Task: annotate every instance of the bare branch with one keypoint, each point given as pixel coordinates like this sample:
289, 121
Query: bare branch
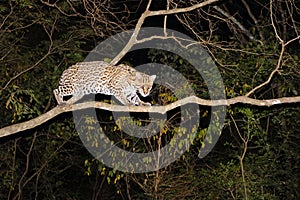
28, 69
181, 10
253, 18
60, 9
280, 59
132, 40
272, 21
292, 40
8, 15
235, 21
21, 181
9, 130
49, 34
148, 13
271, 75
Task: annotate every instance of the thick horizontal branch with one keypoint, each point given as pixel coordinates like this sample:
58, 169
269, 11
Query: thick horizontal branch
15, 128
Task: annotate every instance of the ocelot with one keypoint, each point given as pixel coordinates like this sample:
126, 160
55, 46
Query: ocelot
121, 81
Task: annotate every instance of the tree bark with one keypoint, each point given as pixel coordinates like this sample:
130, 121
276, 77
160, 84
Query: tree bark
15, 128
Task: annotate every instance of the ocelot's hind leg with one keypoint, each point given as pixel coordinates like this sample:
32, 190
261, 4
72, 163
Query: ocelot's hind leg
58, 97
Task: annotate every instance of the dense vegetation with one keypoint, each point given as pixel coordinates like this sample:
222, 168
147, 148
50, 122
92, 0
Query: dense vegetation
257, 155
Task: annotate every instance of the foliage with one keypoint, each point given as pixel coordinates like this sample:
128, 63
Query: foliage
256, 157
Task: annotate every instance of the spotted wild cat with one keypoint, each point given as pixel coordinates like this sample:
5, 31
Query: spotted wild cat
121, 81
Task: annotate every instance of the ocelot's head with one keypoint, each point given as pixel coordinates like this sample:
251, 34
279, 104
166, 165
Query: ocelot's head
144, 83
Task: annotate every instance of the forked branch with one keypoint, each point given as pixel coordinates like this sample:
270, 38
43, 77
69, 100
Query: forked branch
148, 13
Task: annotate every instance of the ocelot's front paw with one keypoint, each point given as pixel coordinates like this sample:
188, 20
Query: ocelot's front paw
62, 103
145, 104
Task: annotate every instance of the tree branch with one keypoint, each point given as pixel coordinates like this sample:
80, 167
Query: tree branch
272, 73
15, 128
148, 13
50, 35
235, 21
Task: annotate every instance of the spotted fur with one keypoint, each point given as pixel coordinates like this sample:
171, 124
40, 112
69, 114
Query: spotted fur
121, 81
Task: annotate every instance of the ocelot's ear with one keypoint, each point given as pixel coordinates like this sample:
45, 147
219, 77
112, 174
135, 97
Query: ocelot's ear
153, 77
